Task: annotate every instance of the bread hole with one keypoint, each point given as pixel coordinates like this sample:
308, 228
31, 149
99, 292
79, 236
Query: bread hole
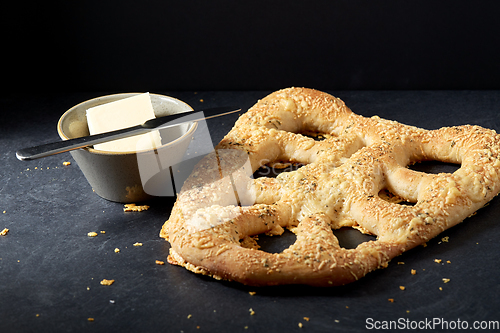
272, 170
277, 243
350, 238
388, 196
316, 135
434, 167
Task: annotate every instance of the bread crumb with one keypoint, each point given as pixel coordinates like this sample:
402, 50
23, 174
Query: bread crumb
448, 262
402, 287
391, 300
252, 293
90, 319
424, 244
438, 260
4, 232
401, 262
137, 244
103, 232
106, 282
66, 163
306, 318
252, 312
413, 271
92, 234
440, 288
134, 208
189, 316
37, 315
117, 250
445, 280
159, 262
4, 211
300, 325
445, 239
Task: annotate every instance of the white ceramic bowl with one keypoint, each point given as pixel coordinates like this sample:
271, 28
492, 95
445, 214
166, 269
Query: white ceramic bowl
116, 176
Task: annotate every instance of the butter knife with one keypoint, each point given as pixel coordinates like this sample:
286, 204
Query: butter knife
58, 147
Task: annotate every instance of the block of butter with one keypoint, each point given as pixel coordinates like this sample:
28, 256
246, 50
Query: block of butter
120, 114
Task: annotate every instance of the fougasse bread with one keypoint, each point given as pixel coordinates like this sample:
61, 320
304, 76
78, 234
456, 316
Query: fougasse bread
221, 205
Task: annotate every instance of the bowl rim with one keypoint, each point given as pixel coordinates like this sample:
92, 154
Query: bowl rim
63, 135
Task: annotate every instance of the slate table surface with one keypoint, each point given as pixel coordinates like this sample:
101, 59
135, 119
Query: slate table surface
50, 270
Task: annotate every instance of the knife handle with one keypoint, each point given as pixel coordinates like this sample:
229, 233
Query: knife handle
31, 153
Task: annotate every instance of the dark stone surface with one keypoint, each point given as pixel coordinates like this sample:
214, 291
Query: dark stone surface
50, 269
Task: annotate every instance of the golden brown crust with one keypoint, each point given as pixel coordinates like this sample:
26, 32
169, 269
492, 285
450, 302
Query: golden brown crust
339, 184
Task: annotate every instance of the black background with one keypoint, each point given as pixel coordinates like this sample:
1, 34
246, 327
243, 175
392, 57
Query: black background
153, 45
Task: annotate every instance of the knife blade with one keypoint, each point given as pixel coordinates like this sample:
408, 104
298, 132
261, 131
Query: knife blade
58, 147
